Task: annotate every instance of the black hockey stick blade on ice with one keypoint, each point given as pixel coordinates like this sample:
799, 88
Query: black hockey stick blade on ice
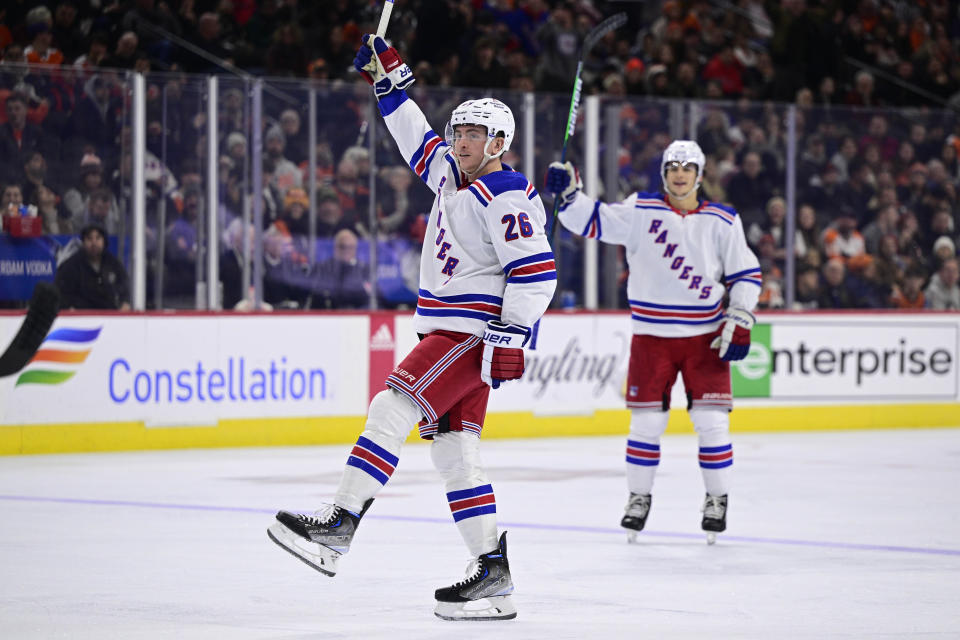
593, 37
43, 309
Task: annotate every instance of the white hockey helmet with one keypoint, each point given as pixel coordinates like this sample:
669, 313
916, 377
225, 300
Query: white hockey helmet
490, 113
685, 152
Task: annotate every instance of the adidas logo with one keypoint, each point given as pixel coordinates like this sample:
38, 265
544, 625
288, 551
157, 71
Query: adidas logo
382, 339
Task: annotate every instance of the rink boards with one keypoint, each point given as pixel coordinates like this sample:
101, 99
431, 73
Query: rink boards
126, 381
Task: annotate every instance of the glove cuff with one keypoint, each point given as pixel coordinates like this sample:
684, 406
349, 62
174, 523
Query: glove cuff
507, 336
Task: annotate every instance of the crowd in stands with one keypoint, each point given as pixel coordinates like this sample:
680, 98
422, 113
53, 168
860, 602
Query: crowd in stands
875, 85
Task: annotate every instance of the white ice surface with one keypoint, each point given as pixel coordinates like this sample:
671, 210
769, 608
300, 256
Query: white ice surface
831, 535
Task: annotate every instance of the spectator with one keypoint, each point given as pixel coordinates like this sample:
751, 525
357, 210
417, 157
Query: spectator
11, 202
484, 71
18, 138
285, 278
67, 33
773, 226
284, 174
125, 54
34, 174
41, 49
842, 240
807, 240
96, 53
76, 200
844, 156
712, 186
140, 19
95, 122
354, 196
910, 294
180, 261
46, 203
750, 190
287, 56
558, 40
855, 194
863, 92
232, 261
943, 293
294, 215
330, 215
910, 240
727, 70
237, 148
890, 264
808, 288
296, 147
943, 249
93, 278
865, 287
341, 282
883, 224
834, 294
878, 133
941, 226
102, 211
812, 161
205, 34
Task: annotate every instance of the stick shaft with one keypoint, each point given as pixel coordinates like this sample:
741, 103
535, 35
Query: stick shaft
385, 18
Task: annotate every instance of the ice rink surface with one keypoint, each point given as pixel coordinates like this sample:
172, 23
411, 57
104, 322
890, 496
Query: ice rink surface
831, 535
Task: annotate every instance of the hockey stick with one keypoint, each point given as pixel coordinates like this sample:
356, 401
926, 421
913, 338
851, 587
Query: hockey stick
385, 18
43, 309
593, 37
374, 65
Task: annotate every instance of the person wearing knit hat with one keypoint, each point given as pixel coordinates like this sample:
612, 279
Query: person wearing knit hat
295, 205
944, 248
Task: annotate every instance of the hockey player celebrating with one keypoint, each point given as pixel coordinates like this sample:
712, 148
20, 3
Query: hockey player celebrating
488, 278
684, 255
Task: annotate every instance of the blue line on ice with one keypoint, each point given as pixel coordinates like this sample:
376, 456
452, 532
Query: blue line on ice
516, 525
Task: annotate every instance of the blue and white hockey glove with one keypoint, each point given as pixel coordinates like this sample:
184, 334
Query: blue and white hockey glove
563, 180
734, 339
385, 72
502, 352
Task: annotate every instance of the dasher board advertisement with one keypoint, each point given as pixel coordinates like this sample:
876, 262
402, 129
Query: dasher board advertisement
190, 370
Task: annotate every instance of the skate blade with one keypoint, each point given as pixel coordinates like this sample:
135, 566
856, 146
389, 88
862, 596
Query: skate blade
632, 537
711, 537
320, 557
489, 608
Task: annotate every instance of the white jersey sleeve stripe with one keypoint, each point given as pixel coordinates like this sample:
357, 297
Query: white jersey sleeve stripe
747, 275
421, 158
536, 268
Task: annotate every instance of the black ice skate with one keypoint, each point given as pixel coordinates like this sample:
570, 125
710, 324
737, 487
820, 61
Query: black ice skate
714, 516
635, 514
485, 594
317, 540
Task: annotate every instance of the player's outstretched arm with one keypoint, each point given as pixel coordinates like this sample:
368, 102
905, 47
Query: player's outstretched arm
424, 151
582, 214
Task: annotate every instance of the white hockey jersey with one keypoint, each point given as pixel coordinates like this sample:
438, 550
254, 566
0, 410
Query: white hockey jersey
485, 253
681, 264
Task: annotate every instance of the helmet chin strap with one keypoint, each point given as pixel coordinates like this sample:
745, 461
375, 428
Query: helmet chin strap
666, 187
486, 158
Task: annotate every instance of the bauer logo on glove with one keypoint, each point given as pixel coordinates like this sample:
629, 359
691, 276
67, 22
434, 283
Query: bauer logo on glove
734, 339
502, 352
385, 70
